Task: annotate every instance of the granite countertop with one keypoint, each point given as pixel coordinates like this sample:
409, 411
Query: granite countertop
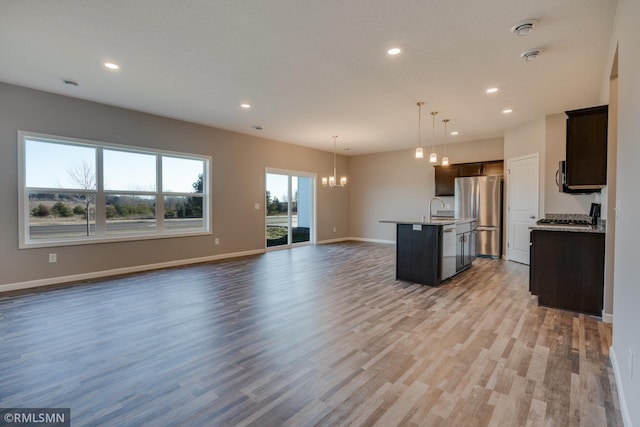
599, 228
434, 221
572, 228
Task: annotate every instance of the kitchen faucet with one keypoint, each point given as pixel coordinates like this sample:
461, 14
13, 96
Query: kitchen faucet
431, 201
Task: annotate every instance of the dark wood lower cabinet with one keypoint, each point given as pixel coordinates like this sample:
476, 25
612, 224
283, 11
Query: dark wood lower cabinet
567, 270
418, 253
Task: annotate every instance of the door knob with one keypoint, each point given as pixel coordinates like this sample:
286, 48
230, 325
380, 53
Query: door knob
532, 217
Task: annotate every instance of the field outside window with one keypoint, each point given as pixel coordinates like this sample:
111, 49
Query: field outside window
75, 192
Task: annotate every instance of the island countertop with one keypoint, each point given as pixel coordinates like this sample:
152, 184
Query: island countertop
434, 221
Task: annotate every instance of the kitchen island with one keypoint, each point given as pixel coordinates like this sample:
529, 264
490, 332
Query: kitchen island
429, 252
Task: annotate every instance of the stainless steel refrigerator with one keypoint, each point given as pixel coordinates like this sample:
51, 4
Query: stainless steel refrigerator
481, 198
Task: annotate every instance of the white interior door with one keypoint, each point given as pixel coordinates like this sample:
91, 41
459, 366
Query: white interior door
522, 205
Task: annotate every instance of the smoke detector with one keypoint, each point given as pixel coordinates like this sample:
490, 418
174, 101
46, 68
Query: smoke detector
524, 27
531, 54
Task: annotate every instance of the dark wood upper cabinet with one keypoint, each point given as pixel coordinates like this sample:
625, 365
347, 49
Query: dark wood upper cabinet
445, 175
445, 179
493, 168
470, 169
586, 167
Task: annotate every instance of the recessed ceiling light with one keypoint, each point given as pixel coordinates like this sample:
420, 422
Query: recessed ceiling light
523, 28
507, 111
394, 51
492, 90
531, 54
455, 132
111, 65
245, 105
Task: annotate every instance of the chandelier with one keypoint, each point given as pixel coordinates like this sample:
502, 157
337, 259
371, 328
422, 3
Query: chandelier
331, 181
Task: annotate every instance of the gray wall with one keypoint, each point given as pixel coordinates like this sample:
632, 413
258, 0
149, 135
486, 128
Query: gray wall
238, 166
396, 186
626, 297
547, 137
528, 138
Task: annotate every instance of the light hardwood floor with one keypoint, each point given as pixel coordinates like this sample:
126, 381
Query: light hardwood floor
317, 335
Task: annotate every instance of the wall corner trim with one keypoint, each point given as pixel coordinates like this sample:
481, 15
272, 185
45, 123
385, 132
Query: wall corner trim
120, 271
626, 417
607, 317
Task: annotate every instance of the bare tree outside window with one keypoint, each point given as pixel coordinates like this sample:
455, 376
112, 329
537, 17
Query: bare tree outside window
84, 176
82, 191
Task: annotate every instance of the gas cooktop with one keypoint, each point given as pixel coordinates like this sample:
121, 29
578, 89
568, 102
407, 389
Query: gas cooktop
564, 222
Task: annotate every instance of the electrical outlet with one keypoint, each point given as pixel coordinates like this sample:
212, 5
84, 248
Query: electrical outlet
216, 241
630, 364
334, 229
257, 206
53, 258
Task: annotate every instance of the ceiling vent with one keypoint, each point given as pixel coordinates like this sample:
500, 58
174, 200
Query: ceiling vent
525, 27
531, 54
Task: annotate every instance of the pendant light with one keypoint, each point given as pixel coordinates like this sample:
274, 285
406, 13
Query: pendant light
419, 151
433, 157
331, 181
445, 159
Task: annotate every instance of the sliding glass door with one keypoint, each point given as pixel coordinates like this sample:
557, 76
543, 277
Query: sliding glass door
289, 207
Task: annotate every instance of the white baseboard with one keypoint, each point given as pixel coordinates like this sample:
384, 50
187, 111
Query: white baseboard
607, 317
338, 240
358, 239
624, 410
119, 271
362, 239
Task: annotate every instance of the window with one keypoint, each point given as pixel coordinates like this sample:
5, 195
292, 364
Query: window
74, 192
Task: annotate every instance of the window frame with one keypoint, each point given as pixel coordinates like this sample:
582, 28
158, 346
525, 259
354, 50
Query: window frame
101, 236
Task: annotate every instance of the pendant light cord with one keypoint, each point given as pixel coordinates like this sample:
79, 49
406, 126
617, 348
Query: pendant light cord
433, 132
420, 104
445, 136
335, 176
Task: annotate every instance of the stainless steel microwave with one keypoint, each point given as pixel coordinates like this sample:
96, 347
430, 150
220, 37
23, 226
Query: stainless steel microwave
561, 181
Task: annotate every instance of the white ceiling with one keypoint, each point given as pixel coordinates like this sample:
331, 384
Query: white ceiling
315, 68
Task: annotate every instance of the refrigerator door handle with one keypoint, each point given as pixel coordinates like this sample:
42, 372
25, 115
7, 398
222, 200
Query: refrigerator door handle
487, 228
476, 199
